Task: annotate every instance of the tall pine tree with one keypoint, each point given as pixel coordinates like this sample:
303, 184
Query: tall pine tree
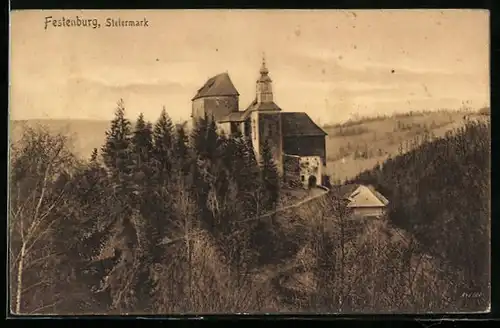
142, 142
181, 151
116, 151
126, 226
163, 142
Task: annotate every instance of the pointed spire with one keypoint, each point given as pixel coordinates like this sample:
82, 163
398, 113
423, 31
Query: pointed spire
263, 69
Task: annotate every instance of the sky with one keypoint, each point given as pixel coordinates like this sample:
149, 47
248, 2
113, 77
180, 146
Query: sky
330, 64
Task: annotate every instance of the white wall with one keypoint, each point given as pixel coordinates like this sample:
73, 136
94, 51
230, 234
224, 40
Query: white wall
224, 127
365, 203
310, 166
254, 122
198, 110
368, 211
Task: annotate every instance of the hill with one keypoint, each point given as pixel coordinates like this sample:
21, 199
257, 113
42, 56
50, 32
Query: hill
351, 147
127, 216
440, 193
355, 146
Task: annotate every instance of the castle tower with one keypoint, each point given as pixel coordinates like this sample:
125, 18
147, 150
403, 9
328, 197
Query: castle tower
264, 85
217, 98
266, 119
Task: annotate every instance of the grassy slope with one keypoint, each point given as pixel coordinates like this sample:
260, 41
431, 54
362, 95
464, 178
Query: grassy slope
382, 138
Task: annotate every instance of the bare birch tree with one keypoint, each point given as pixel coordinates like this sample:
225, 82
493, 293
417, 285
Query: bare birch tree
37, 192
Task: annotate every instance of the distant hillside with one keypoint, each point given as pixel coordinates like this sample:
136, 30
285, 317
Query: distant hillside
374, 138
359, 145
440, 192
85, 134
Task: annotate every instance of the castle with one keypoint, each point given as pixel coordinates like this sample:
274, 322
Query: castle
297, 143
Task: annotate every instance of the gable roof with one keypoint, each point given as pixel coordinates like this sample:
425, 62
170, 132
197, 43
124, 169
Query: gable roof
380, 197
219, 85
262, 106
347, 190
254, 106
299, 124
233, 117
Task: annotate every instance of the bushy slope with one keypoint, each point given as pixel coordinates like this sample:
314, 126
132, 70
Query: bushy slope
440, 192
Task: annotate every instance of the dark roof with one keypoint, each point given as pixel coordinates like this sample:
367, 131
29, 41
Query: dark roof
233, 117
254, 106
219, 85
299, 124
267, 106
262, 106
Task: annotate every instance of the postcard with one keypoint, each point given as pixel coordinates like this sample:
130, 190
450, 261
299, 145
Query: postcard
249, 161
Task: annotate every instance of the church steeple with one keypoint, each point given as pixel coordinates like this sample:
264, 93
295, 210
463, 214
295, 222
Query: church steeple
264, 84
263, 68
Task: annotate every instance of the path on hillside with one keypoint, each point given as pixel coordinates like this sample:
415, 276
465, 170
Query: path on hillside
270, 272
315, 193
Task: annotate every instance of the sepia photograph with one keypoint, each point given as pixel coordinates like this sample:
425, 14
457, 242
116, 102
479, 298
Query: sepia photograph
167, 162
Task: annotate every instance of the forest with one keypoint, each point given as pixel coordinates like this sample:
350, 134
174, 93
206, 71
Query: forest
163, 220
440, 193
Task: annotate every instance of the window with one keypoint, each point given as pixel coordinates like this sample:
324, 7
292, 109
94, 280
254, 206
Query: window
302, 178
234, 128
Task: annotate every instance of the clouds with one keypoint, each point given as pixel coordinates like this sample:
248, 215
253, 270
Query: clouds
321, 62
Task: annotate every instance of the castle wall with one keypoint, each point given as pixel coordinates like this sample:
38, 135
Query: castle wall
270, 131
224, 128
305, 146
220, 106
310, 166
198, 108
254, 128
291, 171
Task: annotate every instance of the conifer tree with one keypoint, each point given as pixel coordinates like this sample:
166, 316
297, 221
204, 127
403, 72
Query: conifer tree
204, 174
142, 147
142, 143
148, 229
90, 227
205, 139
181, 150
270, 177
93, 156
124, 219
163, 142
116, 151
